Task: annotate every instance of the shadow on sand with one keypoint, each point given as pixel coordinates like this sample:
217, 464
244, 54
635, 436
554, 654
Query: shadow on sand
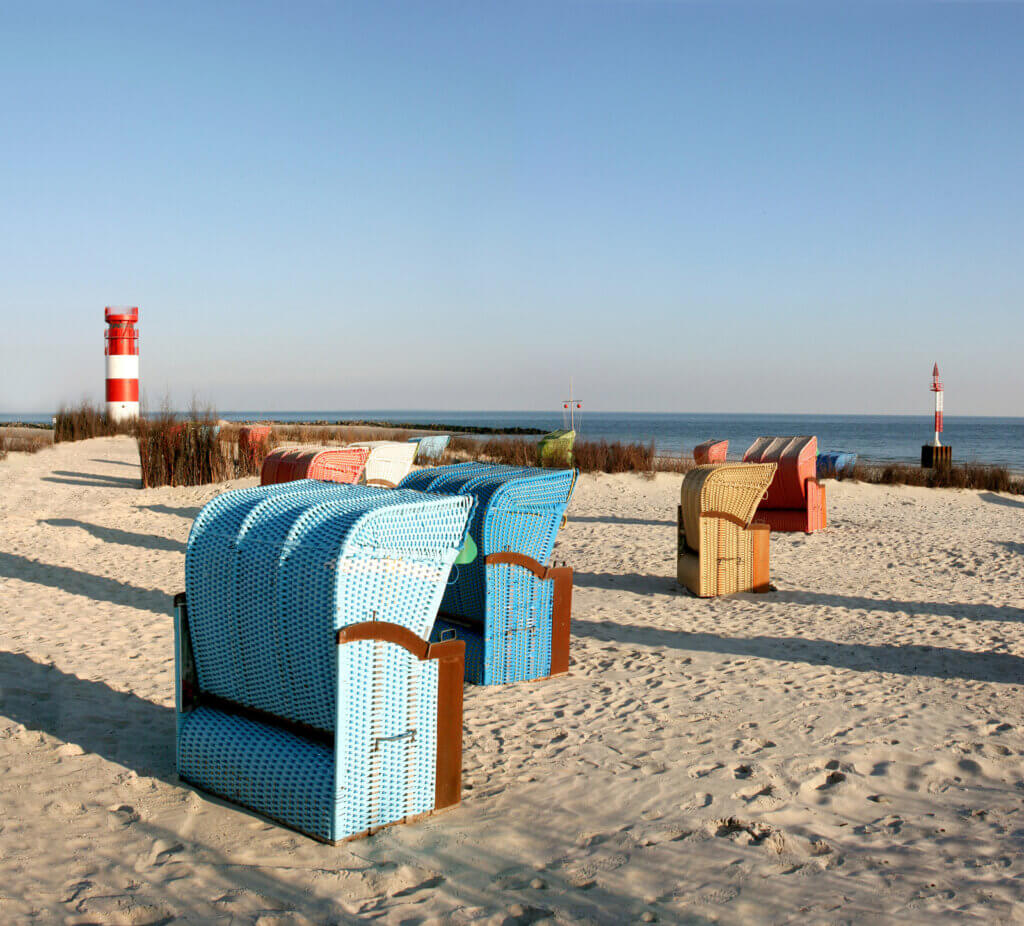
960, 610
930, 661
189, 513
115, 535
610, 519
994, 499
119, 726
99, 588
97, 480
114, 462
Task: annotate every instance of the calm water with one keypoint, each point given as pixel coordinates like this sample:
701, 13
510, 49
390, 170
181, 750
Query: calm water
874, 437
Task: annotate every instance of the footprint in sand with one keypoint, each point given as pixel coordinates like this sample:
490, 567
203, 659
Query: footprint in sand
699, 801
831, 780
702, 771
124, 814
761, 797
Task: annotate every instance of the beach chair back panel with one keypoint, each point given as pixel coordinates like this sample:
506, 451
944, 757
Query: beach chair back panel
209, 570
289, 778
304, 563
797, 462
386, 756
290, 553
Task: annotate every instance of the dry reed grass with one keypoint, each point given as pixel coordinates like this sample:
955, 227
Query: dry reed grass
182, 453
86, 420
959, 476
22, 443
587, 456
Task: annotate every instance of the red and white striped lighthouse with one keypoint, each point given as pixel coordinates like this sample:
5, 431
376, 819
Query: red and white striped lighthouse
122, 350
937, 389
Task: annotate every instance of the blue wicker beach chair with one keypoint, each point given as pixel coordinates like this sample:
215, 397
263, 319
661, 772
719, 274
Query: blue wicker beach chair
431, 448
509, 606
306, 688
832, 463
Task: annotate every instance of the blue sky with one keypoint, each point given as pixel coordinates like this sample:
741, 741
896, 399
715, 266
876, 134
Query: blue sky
705, 208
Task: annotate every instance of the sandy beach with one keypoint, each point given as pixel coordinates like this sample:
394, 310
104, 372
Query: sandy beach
849, 748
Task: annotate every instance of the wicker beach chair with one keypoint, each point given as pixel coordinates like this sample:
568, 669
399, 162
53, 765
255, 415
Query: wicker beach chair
431, 448
795, 499
510, 607
253, 441
335, 464
720, 552
389, 462
306, 688
833, 463
711, 451
555, 448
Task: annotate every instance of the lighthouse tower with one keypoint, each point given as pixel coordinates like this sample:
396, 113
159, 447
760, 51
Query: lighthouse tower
122, 350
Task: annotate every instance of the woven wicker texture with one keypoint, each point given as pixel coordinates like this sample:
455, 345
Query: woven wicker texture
271, 574
834, 462
337, 464
711, 451
724, 548
431, 448
389, 460
508, 608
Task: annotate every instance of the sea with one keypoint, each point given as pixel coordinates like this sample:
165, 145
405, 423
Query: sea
875, 438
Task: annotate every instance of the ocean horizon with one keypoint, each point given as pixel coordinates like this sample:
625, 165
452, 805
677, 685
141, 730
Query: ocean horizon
876, 438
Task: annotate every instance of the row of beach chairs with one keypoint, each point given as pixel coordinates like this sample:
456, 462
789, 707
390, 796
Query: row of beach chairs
326, 631
327, 628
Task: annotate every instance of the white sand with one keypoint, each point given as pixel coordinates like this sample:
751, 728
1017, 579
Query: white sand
848, 749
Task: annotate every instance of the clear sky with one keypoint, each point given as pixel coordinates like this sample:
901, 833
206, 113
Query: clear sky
723, 207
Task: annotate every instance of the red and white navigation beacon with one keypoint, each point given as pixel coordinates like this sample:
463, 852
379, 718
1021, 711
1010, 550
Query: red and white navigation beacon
122, 350
937, 389
934, 454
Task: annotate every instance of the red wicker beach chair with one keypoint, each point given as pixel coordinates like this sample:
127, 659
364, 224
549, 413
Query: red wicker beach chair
340, 464
795, 500
711, 451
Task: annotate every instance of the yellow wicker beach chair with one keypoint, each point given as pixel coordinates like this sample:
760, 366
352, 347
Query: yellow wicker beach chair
720, 551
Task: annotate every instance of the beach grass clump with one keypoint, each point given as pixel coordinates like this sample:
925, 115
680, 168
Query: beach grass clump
174, 452
978, 476
86, 420
587, 456
22, 443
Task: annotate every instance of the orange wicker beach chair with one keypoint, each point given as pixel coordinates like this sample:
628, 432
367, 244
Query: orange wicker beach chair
337, 464
720, 552
795, 499
711, 451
